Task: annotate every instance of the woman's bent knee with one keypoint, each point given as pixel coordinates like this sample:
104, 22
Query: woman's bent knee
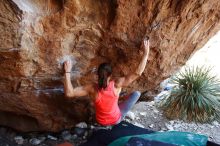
136, 93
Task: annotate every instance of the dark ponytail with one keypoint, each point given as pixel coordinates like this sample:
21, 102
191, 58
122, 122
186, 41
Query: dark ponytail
104, 71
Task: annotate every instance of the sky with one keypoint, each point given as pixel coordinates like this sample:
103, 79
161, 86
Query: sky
209, 55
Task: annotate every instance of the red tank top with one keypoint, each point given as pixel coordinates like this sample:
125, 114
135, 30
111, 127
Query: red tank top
106, 106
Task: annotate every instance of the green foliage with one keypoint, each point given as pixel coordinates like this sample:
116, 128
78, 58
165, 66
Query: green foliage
195, 97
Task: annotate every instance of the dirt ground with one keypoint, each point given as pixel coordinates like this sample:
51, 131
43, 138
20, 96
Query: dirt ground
145, 114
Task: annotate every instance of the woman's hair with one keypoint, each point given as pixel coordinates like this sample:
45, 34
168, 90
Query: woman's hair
104, 71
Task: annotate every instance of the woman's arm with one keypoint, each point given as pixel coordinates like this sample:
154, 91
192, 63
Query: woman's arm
69, 91
127, 80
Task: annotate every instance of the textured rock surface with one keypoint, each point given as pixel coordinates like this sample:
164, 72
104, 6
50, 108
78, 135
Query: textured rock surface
33, 45
39, 6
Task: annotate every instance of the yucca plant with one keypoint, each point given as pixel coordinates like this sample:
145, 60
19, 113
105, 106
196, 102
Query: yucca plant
195, 96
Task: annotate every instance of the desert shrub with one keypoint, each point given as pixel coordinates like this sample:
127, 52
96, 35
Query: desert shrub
195, 96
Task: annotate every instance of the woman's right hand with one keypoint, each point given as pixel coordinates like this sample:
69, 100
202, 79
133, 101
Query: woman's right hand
68, 66
146, 45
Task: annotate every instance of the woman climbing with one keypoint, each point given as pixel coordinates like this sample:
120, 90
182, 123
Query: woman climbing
105, 94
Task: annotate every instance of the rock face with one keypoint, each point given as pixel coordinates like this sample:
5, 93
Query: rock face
36, 37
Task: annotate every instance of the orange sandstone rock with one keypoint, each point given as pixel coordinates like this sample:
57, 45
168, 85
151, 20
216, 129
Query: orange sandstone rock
33, 44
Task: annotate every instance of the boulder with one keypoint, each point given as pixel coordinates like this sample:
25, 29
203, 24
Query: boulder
37, 36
